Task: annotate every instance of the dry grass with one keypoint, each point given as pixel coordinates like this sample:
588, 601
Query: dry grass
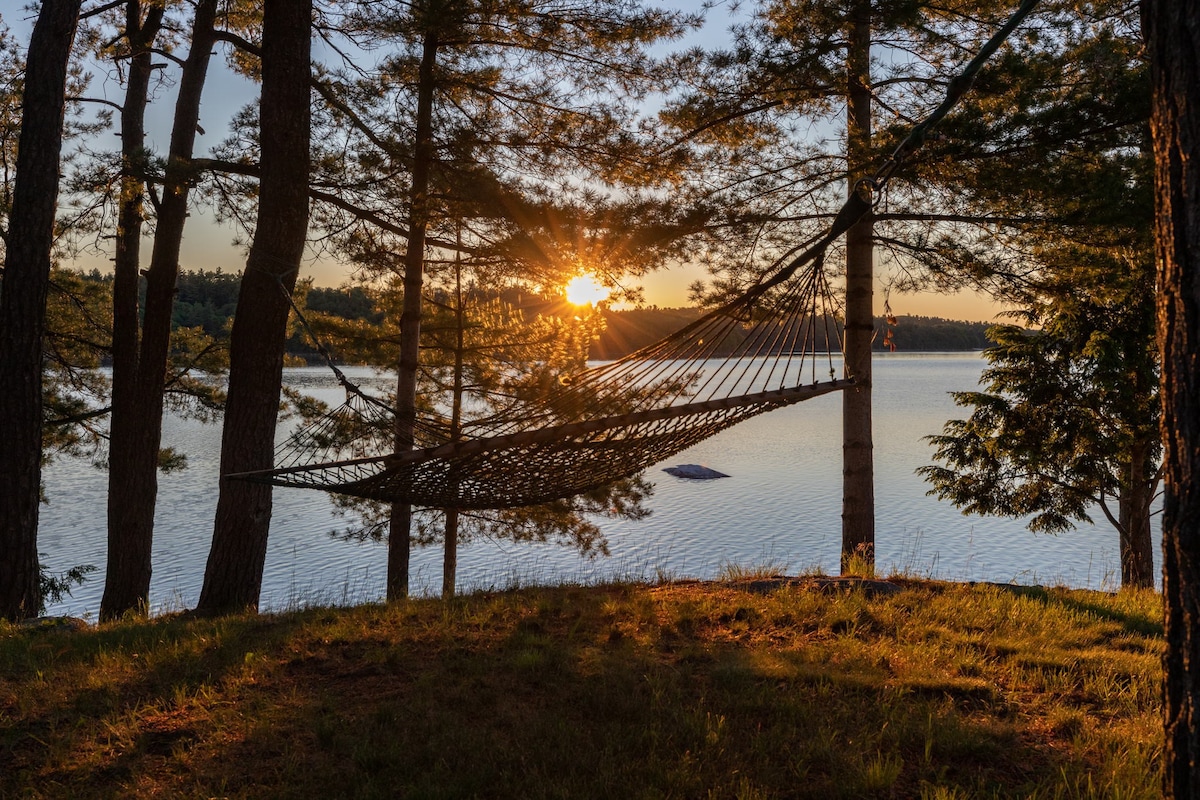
681, 690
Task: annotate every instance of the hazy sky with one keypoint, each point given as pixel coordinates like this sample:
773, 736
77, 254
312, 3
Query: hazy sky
209, 246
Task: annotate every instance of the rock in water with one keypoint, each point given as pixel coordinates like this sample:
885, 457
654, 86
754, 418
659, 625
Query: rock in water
694, 471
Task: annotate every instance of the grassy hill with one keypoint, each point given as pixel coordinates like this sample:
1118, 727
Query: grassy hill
741, 690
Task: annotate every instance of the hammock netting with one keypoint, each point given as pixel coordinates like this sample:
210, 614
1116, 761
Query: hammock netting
773, 346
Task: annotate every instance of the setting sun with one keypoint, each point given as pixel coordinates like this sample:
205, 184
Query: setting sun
585, 290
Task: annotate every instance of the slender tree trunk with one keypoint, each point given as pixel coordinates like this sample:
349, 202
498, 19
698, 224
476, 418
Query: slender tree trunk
450, 532
23, 303
137, 422
450, 554
127, 578
233, 576
858, 469
1173, 36
400, 533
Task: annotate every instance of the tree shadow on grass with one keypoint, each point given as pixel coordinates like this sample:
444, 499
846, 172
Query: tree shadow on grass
97, 703
532, 707
554, 693
1132, 621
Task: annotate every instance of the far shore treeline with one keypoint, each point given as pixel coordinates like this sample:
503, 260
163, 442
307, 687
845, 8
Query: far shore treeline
207, 299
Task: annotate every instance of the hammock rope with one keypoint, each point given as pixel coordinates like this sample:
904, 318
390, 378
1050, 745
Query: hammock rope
749, 356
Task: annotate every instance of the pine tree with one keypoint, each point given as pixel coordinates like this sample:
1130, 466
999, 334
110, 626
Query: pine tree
1052, 147
23, 302
796, 68
233, 575
507, 103
1069, 419
488, 351
1044, 148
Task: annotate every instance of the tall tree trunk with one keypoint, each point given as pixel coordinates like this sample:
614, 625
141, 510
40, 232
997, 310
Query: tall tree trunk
137, 422
858, 468
23, 303
233, 576
129, 562
400, 532
1173, 37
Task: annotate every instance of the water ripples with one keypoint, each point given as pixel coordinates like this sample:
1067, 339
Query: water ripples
781, 508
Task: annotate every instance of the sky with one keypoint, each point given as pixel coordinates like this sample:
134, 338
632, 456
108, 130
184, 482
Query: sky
208, 245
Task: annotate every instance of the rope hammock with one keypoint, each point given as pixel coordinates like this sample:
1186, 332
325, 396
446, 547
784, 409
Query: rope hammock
766, 349
756, 353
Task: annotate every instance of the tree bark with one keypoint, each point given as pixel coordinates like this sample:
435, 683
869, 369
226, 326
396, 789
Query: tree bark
233, 576
458, 389
23, 303
1173, 37
136, 429
400, 531
450, 554
858, 469
1137, 494
129, 522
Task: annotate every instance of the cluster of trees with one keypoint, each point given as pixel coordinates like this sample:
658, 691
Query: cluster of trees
208, 299
477, 151
492, 150
449, 151
1045, 159
489, 152
629, 329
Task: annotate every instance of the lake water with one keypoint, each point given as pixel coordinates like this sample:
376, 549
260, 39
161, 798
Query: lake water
781, 507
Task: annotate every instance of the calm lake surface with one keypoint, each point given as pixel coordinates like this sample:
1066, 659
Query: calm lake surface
781, 507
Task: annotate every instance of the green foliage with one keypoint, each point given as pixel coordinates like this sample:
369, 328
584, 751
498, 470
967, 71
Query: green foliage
537, 170
1050, 147
57, 587
11, 75
78, 345
206, 300
196, 366
751, 114
1069, 410
346, 302
1069, 422
1049, 144
629, 329
537, 131
913, 334
77, 342
170, 460
350, 313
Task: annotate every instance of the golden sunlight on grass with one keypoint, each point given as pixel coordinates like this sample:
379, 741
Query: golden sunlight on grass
585, 290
